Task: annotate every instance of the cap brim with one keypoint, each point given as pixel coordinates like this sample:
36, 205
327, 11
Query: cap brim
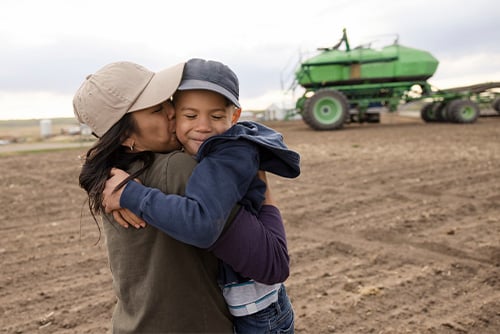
160, 88
192, 84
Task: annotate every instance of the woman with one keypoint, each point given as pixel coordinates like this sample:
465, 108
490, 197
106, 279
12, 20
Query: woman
229, 155
162, 285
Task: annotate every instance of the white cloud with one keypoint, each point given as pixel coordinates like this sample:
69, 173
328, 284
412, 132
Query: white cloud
50, 46
38, 105
467, 70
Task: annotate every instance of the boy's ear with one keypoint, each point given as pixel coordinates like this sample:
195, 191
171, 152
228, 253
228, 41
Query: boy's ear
236, 115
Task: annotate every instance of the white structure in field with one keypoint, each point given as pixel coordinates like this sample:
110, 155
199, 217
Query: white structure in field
275, 113
45, 128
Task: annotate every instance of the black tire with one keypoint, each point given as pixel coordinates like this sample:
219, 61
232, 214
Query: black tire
463, 111
432, 112
427, 113
373, 118
496, 105
442, 114
326, 110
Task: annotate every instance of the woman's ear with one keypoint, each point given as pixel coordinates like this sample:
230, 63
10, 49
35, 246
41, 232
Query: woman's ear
129, 143
236, 115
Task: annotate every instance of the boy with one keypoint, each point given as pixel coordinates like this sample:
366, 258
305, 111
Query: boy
207, 109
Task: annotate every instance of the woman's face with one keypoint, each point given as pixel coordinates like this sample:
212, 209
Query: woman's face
155, 129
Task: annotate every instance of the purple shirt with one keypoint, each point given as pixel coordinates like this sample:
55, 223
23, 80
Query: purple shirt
256, 247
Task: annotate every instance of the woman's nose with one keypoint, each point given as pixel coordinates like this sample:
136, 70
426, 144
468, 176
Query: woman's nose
169, 111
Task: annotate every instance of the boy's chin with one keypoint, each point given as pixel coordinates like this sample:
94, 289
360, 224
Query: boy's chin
192, 149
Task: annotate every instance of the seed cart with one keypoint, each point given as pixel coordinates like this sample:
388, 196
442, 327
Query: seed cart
353, 85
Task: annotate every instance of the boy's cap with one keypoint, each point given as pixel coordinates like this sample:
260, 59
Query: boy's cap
119, 88
211, 75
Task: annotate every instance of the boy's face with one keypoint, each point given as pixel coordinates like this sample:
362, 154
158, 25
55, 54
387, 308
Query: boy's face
201, 114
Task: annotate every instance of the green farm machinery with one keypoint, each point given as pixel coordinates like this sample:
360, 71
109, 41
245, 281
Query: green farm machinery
355, 85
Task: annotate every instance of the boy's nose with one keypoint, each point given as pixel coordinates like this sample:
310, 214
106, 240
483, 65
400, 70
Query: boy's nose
203, 124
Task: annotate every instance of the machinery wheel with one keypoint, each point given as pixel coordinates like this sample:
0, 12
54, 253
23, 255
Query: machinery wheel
373, 118
427, 113
433, 112
326, 110
442, 112
463, 111
496, 104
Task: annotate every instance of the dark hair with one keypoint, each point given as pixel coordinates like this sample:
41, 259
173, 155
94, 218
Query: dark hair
108, 152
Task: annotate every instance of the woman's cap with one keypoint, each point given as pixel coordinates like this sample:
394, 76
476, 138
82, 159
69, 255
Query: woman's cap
119, 88
211, 75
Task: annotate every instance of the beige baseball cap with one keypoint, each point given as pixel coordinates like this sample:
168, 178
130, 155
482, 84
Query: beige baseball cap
119, 88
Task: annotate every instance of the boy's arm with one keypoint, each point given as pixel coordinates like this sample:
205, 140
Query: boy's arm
218, 182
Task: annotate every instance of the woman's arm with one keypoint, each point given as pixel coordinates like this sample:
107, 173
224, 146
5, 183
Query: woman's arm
256, 247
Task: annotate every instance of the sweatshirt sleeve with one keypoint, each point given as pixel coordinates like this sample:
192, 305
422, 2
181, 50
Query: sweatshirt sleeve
216, 185
256, 247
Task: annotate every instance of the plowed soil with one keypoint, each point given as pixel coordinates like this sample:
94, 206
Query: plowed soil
392, 228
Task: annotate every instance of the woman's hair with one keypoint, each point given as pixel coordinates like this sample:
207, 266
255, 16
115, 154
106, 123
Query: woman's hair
108, 152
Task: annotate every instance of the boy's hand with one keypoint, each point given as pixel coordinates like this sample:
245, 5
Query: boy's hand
111, 198
125, 217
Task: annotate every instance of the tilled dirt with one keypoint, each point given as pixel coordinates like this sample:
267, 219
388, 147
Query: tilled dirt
392, 228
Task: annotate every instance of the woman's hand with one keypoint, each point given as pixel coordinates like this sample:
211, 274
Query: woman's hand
268, 198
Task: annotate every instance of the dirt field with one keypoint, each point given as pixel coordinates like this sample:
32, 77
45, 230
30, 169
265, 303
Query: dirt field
392, 228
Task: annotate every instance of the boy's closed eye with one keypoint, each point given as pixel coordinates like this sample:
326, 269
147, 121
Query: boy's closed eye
219, 117
190, 116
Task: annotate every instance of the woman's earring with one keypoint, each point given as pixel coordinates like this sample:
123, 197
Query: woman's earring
132, 147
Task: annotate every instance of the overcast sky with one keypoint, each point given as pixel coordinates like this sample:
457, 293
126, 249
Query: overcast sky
49, 46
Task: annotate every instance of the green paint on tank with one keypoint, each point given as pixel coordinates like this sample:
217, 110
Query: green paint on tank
392, 63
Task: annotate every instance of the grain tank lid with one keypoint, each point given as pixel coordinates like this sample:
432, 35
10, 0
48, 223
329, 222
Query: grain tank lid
355, 56
395, 52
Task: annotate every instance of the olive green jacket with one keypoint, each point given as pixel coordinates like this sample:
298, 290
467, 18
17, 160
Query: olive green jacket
163, 285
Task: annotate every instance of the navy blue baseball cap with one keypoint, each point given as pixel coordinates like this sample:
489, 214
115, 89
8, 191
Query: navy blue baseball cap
211, 75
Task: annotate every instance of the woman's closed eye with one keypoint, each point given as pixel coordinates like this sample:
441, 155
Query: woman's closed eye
157, 109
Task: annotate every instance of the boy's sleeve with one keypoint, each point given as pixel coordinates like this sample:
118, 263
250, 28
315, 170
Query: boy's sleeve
216, 185
255, 247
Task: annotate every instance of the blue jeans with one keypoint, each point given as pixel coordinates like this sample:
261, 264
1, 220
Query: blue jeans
277, 318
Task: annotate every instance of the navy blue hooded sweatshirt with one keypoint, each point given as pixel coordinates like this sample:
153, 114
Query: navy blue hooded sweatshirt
225, 176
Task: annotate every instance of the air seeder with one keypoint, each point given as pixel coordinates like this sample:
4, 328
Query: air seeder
354, 85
